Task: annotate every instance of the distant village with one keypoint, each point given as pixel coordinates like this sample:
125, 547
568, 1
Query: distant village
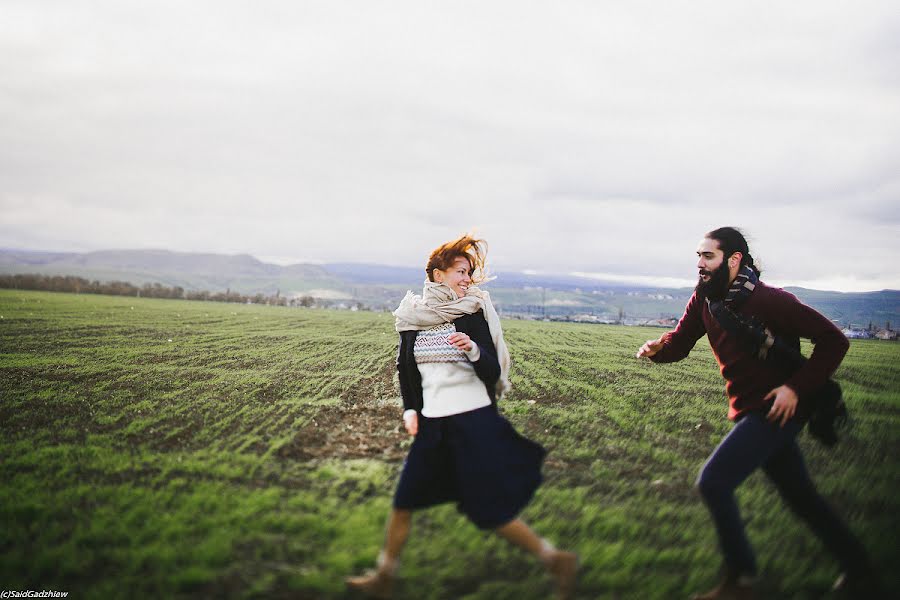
872, 332
595, 319
72, 284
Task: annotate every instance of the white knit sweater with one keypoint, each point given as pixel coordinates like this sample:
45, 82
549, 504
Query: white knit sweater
449, 383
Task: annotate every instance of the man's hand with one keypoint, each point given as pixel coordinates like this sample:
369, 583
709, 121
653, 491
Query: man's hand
650, 348
785, 404
411, 422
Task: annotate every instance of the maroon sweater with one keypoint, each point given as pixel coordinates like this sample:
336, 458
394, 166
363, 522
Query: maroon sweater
747, 378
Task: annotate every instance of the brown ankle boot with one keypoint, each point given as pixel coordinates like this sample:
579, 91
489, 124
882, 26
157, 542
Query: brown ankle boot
374, 583
732, 587
564, 568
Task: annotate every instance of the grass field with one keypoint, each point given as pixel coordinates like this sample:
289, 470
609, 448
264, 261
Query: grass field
157, 448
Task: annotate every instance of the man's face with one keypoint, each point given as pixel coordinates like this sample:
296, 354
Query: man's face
710, 258
713, 270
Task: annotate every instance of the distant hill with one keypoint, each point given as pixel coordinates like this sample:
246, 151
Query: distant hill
858, 308
192, 271
382, 286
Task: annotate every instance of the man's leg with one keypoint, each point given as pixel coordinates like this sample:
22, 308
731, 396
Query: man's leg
788, 472
748, 446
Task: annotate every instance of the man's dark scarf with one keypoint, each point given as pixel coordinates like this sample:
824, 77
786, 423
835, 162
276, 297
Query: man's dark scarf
755, 337
825, 405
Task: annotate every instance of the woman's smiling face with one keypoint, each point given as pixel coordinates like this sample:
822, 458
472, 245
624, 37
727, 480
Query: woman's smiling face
458, 277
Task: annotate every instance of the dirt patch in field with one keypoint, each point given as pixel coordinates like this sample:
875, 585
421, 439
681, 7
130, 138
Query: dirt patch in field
352, 430
378, 385
359, 427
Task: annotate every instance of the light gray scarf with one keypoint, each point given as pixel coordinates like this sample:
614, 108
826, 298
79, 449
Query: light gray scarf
439, 304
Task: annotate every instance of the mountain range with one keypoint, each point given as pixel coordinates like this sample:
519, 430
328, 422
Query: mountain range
381, 287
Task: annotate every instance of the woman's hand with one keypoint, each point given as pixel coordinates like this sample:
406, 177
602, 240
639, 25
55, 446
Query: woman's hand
785, 404
461, 341
411, 422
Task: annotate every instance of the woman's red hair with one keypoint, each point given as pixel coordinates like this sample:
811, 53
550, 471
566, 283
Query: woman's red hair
466, 246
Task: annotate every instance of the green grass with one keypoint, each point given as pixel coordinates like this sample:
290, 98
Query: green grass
174, 448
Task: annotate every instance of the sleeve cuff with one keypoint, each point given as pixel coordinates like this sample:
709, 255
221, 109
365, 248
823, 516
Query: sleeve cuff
407, 412
474, 354
799, 388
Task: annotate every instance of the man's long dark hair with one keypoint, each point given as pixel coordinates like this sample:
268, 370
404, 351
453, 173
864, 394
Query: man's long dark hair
731, 240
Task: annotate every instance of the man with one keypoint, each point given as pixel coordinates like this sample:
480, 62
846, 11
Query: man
763, 399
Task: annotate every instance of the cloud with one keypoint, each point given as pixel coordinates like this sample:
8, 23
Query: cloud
578, 137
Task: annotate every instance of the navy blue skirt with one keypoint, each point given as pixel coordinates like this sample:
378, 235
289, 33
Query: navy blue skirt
475, 459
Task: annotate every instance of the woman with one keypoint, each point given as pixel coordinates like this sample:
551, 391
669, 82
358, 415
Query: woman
453, 366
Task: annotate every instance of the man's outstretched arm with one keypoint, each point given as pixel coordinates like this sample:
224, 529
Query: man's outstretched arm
651, 347
674, 345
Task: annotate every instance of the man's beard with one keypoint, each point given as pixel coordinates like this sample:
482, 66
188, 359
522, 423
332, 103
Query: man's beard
717, 287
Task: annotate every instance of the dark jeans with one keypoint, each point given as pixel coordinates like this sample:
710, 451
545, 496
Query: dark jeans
752, 443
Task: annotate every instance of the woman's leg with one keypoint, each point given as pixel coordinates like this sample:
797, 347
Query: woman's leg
398, 526
519, 534
380, 582
561, 564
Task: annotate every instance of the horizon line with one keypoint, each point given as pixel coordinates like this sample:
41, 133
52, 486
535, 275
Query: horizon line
841, 285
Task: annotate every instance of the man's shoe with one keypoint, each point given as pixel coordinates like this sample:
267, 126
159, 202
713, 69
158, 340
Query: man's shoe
564, 568
374, 583
866, 585
732, 587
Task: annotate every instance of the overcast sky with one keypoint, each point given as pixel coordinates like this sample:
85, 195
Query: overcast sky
599, 137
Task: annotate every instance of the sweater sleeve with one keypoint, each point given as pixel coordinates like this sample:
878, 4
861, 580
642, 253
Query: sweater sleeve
678, 343
406, 391
487, 367
786, 314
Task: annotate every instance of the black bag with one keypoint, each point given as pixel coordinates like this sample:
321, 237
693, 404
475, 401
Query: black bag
829, 413
824, 409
